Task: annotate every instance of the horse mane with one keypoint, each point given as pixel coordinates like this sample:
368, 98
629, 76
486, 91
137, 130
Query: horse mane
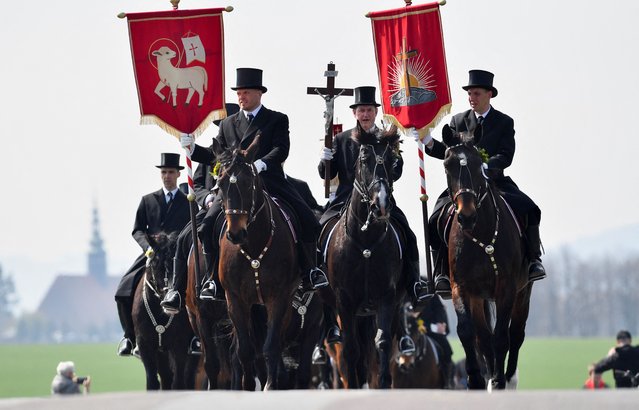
382, 136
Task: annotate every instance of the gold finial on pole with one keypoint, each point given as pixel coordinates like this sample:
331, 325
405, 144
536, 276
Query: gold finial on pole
408, 2
442, 2
228, 9
122, 15
175, 4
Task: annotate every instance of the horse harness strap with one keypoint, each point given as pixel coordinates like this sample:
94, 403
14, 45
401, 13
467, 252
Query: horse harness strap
257, 262
300, 304
158, 328
490, 248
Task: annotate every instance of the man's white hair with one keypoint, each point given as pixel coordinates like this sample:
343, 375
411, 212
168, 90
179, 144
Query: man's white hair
65, 368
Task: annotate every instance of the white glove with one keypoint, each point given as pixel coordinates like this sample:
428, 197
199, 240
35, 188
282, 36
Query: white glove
412, 133
187, 142
260, 165
150, 253
326, 154
208, 201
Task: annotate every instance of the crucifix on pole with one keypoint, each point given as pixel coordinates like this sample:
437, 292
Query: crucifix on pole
329, 94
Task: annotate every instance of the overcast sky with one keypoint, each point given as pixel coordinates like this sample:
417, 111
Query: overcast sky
566, 72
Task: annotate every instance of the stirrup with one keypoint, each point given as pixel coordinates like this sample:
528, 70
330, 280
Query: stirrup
421, 291
136, 352
317, 278
442, 287
209, 292
171, 309
536, 271
318, 356
125, 347
195, 347
406, 346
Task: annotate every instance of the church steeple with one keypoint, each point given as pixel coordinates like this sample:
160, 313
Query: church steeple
97, 256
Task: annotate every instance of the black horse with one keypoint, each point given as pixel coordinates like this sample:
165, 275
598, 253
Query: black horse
364, 261
163, 340
488, 274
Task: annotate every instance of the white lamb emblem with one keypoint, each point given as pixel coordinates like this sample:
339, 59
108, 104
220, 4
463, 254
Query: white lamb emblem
192, 78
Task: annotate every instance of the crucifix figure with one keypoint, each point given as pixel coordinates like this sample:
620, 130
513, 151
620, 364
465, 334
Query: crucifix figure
329, 94
404, 56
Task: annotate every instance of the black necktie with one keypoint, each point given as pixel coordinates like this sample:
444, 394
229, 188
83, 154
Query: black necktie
250, 118
170, 194
480, 120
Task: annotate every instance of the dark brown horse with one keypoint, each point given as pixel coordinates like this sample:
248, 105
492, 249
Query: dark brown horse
421, 369
258, 261
163, 340
211, 322
489, 280
364, 259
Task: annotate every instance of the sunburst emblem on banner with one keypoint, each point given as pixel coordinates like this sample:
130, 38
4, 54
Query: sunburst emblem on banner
410, 79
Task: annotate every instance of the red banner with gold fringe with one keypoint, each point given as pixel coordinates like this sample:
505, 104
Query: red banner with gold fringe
178, 62
411, 62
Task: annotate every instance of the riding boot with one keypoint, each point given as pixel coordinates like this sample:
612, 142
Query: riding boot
442, 282
212, 288
195, 347
418, 288
172, 302
319, 355
333, 333
536, 270
313, 277
125, 347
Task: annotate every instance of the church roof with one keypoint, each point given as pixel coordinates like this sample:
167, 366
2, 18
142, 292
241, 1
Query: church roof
80, 302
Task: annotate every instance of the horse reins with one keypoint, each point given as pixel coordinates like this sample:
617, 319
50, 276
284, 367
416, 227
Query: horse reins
364, 192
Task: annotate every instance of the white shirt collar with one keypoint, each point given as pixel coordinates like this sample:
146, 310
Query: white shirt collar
254, 112
166, 193
483, 114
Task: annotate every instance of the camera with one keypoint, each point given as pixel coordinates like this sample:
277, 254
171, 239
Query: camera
80, 380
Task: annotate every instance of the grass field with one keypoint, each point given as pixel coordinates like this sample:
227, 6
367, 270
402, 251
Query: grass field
27, 370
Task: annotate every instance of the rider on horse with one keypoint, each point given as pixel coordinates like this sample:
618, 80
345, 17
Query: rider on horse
343, 157
164, 210
239, 131
498, 141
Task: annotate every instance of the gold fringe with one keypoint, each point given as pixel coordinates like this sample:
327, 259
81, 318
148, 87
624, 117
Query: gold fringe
213, 115
443, 111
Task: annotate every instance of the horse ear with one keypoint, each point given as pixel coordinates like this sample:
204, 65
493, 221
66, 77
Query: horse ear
151, 240
255, 145
448, 136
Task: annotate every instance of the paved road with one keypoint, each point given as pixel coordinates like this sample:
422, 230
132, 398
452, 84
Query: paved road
338, 400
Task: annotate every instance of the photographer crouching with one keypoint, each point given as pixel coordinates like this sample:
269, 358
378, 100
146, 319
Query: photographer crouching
67, 382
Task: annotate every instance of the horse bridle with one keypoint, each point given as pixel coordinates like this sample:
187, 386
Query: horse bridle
478, 195
365, 191
233, 183
488, 248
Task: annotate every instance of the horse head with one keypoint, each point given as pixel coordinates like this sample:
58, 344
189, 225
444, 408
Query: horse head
466, 182
159, 268
373, 171
240, 189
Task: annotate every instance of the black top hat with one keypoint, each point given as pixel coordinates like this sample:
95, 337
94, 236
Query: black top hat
170, 160
481, 79
231, 108
364, 96
249, 78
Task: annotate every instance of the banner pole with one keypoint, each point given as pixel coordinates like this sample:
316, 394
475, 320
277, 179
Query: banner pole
193, 212
424, 199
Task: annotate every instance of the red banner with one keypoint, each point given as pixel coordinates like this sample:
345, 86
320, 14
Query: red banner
178, 62
411, 62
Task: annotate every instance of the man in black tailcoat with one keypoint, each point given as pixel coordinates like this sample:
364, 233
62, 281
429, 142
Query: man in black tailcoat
343, 158
165, 210
498, 140
239, 131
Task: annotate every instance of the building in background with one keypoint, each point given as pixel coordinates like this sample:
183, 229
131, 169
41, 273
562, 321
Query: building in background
80, 307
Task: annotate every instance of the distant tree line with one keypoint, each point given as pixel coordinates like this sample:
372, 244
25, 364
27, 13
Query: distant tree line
584, 298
